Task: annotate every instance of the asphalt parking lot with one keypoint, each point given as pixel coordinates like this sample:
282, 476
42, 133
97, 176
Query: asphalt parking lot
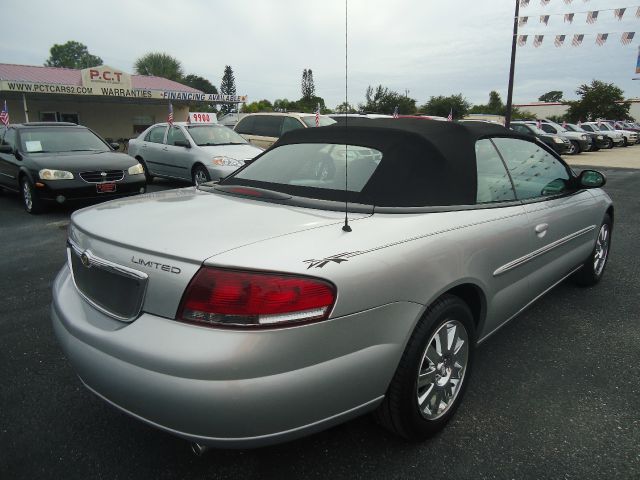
555, 394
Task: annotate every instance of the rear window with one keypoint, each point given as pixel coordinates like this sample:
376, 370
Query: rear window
315, 165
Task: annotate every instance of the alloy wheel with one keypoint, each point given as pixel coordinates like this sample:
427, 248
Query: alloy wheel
602, 250
26, 195
442, 369
200, 176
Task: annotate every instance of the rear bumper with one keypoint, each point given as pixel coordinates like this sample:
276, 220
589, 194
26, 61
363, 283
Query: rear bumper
233, 389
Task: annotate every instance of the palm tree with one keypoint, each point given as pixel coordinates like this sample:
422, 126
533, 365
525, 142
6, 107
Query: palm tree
160, 65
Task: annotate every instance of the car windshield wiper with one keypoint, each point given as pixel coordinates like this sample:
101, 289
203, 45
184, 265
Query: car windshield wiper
218, 144
85, 150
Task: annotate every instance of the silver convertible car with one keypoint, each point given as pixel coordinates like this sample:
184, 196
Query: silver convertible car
348, 269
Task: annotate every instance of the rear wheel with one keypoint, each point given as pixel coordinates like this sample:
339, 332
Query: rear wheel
609, 143
30, 198
593, 267
200, 175
625, 142
432, 375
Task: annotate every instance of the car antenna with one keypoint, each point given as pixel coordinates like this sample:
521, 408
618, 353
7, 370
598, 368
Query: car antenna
346, 227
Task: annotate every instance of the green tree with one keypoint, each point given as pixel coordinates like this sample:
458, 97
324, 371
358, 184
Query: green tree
345, 107
228, 87
598, 100
72, 55
552, 96
383, 100
308, 87
160, 65
442, 106
284, 105
259, 106
494, 107
309, 105
204, 85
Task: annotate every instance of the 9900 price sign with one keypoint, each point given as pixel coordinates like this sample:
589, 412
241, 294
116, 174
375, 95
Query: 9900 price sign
197, 117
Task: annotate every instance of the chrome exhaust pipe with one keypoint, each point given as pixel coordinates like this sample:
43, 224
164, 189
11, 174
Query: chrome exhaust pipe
198, 449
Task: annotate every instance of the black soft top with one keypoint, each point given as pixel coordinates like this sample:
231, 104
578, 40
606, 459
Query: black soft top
424, 162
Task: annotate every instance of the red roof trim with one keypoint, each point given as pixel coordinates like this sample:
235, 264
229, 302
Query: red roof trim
70, 76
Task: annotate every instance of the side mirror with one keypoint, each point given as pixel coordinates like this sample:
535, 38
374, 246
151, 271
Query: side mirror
182, 143
6, 149
115, 146
591, 179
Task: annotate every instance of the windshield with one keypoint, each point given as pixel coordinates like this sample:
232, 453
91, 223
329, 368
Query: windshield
204, 135
571, 127
605, 127
314, 165
60, 139
323, 121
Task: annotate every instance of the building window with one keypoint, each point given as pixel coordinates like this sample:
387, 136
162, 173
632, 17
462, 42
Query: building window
59, 117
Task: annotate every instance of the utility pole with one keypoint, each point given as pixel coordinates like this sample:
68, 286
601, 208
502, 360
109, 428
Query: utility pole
514, 45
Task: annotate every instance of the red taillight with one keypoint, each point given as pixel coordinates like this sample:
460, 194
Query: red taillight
221, 297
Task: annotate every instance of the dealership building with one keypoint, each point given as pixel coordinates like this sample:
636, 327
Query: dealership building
115, 104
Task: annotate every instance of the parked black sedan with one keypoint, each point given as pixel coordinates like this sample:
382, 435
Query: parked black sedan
62, 162
557, 143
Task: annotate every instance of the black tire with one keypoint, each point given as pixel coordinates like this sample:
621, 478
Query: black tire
400, 411
148, 177
200, 175
609, 143
30, 197
592, 269
575, 148
625, 142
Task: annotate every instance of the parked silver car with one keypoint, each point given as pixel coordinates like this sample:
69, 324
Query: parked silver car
344, 271
193, 152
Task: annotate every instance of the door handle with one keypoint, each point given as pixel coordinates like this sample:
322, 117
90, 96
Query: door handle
541, 229
165, 149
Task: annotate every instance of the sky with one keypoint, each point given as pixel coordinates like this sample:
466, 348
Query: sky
420, 47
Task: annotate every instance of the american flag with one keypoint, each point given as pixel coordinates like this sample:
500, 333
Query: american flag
638, 12
4, 115
579, 123
602, 38
524, 3
619, 13
577, 40
544, 3
538, 124
568, 1
627, 37
170, 117
537, 40
559, 40
564, 125
592, 16
568, 17
544, 19
395, 112
522, 40
450, 116
522, 21
318, 116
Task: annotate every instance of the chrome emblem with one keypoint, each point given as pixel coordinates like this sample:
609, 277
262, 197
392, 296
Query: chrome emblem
84, 258
104, 174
